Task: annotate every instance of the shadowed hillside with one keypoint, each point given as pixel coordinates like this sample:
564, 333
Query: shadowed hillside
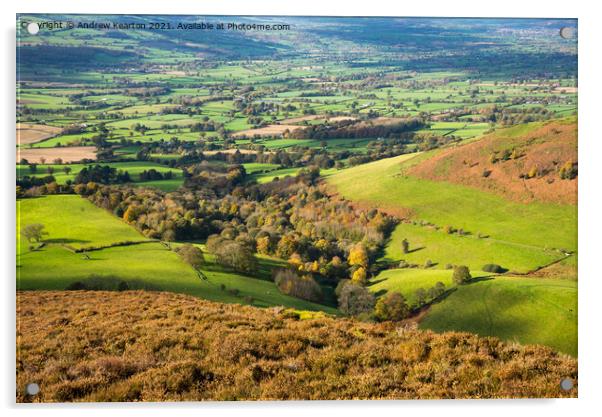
132, 346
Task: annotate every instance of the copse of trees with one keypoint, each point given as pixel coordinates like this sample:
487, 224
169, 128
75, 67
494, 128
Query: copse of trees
102, 174
506, 115
294, 156
495, 268
154, 175
357, 129
300, 286
355, 299
391, 307
192, 255
26, 182
232, 254
290, 218
33, 232
461, 274
206, 126
222, 180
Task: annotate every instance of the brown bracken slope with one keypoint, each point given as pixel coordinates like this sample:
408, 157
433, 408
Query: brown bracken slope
541, 149
149, 346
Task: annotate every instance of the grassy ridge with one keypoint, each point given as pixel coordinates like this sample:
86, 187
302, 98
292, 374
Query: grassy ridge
150, 266
426, 243
54, 267
520, 237
542, 311
383, 185
527, 310
73, 220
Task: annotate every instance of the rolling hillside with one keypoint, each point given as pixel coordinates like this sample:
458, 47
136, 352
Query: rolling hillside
527, 310
496, 162
452, 214
115, 252
439, 193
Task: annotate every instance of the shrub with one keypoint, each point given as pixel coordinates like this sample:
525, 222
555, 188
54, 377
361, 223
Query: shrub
76, 286
96, 282
340, 286
355, 299
568, 171
497, 269
449, 229
359, 276
33, 232
199, 354
358, 256
391, 307
437, 290
304, 287
191, 255
421, 295
461, 274
405, 246
506, 154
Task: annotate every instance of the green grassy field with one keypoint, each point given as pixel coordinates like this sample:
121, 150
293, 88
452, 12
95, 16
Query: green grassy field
382, 184
407, 281
542, 311
263, 177
255, 167
526, 310
133, 168
165, 185
150, 265
427, 243
73, 220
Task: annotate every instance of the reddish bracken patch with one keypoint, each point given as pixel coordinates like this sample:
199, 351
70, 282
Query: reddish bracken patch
524, 168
